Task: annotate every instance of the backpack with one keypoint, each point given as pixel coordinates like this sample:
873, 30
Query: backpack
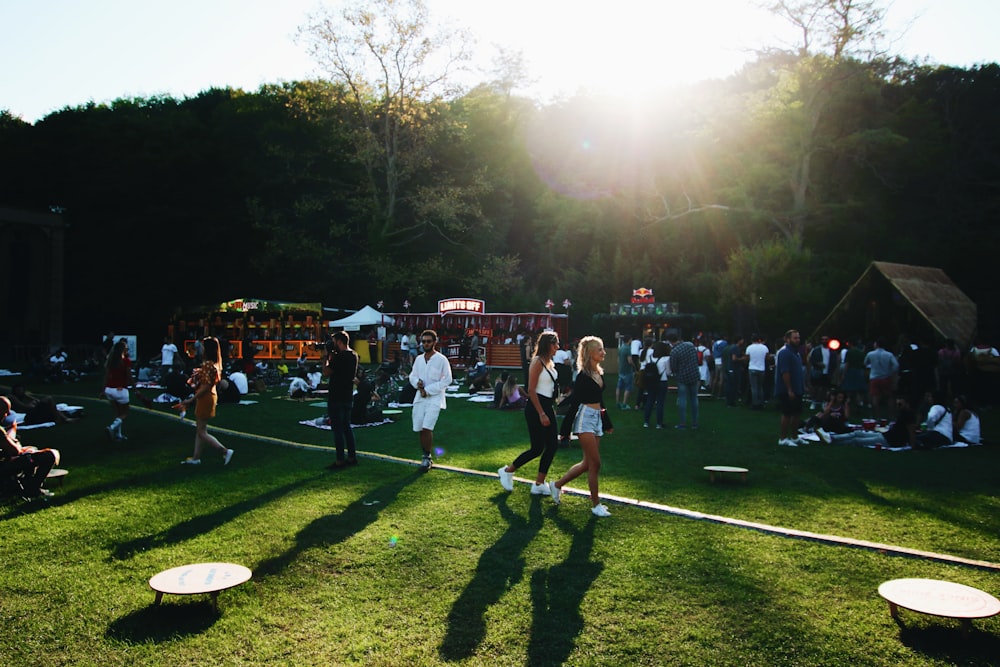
651, 372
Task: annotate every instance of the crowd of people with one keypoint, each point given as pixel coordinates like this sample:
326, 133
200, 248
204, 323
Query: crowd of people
919, 397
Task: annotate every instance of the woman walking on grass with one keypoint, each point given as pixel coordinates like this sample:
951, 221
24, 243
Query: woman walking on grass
590, 423
204, 379
540, 416
117, 380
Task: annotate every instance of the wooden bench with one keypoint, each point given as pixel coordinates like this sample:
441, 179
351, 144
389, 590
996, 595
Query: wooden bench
939, 598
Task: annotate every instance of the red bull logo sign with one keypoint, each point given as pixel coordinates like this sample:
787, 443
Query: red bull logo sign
642, 295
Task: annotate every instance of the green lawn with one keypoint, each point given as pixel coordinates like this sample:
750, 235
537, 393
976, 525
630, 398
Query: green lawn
380, 565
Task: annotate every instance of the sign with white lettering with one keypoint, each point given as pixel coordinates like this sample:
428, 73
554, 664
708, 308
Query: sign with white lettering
477, 306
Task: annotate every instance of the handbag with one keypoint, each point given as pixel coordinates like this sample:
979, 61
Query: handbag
606, 424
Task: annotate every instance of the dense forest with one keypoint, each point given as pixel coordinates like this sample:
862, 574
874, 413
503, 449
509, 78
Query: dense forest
762, 196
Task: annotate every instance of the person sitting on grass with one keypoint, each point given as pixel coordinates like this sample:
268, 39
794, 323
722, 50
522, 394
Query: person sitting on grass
965, 422
833, 418
511, 396
38, 409
30, 464
479, 378
901, 433
299, 387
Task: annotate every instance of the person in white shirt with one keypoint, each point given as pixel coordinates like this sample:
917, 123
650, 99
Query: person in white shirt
239, 379
757, 352
431, 376
167, 354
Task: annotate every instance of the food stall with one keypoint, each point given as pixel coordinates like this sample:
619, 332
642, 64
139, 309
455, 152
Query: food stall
460, 317
275, 329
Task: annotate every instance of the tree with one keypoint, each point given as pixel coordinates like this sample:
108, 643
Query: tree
397, 73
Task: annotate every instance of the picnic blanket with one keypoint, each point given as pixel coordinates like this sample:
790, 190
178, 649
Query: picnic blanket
323, 423
5, 373
480, 399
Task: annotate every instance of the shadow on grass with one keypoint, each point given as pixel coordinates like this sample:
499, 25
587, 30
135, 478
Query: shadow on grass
943, 640
163, 622
335, 528
500, 566
201, 524
556, 594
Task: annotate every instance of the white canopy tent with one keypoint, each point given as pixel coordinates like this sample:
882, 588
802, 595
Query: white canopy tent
366, 317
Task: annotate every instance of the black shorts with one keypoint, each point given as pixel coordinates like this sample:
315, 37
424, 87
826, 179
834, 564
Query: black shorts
789, 406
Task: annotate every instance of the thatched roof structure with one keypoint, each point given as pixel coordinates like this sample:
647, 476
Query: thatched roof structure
890, 300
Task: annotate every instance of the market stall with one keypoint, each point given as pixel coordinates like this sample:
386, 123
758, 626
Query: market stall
498, 332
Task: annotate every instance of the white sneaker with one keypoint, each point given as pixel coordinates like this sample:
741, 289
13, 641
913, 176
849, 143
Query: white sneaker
191, 462
554, 491
506, 479
600, 510
540, 489
824, 436
229, 455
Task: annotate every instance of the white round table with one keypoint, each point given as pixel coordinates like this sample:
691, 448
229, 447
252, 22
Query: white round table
736, 470
199, 578
939, 598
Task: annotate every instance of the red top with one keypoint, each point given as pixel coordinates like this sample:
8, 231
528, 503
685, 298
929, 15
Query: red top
119, 377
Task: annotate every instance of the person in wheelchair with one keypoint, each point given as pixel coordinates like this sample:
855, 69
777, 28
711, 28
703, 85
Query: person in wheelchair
23, 469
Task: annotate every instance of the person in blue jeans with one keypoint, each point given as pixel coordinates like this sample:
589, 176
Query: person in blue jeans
657, 394
341, 367
684, 368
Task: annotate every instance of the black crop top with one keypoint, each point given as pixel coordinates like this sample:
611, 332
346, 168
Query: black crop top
586, 390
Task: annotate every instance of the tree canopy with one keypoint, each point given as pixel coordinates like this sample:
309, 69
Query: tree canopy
754, 200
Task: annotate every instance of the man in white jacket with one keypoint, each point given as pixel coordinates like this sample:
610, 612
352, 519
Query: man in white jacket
430, 376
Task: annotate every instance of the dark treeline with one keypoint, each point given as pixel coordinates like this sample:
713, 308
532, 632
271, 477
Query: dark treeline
765, 194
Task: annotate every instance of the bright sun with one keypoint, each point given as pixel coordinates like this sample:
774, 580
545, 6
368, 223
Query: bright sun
625, 47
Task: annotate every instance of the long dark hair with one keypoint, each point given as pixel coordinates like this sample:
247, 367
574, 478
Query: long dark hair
117, 355
548, 342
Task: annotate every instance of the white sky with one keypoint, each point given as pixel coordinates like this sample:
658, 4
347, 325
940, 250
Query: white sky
58, 53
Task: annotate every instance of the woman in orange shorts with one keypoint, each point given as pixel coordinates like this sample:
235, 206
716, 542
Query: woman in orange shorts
204, 379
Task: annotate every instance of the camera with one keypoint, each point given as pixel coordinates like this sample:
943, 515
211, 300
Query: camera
326, 345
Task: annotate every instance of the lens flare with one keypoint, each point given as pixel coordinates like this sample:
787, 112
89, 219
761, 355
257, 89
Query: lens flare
393, 541
438, 452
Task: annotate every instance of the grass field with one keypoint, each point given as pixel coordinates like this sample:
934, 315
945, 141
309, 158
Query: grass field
380, 565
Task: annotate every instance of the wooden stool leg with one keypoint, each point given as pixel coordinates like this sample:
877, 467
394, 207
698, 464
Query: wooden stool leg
215, 601
894, 611
159, 597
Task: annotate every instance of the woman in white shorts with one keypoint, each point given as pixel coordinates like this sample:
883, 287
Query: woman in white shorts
590, 423
117, 378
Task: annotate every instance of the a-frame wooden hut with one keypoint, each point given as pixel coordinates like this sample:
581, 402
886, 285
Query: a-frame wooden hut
890, 300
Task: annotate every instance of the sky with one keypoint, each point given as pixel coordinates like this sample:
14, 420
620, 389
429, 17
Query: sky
58, 53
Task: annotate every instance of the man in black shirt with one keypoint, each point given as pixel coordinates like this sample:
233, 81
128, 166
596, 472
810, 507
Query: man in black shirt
341, 366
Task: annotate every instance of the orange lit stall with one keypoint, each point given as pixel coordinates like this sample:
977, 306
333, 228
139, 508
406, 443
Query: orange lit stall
275, 329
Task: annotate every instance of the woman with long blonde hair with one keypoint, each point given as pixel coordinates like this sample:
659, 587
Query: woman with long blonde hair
590, 423
204, 379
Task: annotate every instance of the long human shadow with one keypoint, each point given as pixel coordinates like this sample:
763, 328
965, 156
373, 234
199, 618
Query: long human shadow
500, 566
334, 528
200, 525
556, 595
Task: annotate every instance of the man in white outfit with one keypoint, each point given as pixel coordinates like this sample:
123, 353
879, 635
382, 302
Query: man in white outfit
430, 376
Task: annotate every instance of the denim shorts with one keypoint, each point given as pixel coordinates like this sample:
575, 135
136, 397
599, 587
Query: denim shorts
588, 420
